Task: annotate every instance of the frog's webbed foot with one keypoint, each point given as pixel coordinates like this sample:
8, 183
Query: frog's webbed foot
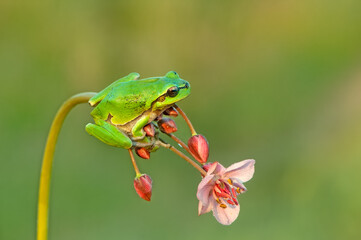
144, 144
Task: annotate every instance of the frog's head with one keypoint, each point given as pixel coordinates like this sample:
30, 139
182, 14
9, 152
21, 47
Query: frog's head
173, 90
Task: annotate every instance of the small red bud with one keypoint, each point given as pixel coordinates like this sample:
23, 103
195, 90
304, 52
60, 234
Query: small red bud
142, 152
207, 166
167, 125
149, 129
143, 186
199, 148
171, 112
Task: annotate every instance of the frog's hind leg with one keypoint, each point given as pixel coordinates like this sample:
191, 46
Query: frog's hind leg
108, 134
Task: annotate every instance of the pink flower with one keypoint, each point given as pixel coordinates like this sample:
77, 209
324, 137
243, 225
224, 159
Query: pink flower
218, 190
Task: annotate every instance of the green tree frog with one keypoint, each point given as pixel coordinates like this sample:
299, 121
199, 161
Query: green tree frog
123, 108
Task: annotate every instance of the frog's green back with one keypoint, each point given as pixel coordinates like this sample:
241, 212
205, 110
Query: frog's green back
130, 99
101, 95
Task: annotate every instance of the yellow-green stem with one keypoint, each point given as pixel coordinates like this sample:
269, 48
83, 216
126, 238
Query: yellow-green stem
45, 175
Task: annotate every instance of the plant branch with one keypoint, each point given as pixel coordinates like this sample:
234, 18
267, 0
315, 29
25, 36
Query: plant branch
180, 142
138, 174
180, 111
182, 155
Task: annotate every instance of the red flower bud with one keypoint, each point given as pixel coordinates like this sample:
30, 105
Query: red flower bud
167, 125
149, 129
207, 166
142, 152
199, 148
171, 112
143, 186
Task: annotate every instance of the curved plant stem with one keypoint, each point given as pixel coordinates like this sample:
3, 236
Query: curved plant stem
45, 176
183, 145
182, 155
179, 153
180, 111
180, 142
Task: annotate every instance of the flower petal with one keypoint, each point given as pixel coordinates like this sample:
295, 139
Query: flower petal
227, 215
243, 170
210, 167
204, 189
202, 209
214, 168
219, 169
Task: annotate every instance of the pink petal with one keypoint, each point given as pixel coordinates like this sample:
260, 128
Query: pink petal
227, 215
210, 167
204, 189
243, 170
219, 169
214, 168
202, 209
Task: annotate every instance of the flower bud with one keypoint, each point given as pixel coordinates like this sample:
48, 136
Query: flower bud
199, 147
149, 130
206, 166
143, 186
167, 125
142, 152
171, 112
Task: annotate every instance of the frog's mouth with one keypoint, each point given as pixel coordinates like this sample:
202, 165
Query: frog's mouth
186, 86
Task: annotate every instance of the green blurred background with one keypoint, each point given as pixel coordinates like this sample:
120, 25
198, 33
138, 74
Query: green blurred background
278, 81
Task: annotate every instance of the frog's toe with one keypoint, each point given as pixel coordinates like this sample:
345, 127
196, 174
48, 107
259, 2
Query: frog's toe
140, 137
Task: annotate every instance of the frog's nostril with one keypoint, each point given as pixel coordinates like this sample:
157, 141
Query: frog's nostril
187, 85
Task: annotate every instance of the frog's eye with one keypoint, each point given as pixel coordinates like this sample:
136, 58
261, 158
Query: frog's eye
172, 74
173, 91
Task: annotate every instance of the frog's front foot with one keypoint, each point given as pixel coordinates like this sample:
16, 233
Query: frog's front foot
139, 138
150, 144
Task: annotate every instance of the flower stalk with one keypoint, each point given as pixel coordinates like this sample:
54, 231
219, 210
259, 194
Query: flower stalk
180, 142
189, 123
182, 155
137, 172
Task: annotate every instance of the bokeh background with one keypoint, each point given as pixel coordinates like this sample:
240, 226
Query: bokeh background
278, 81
